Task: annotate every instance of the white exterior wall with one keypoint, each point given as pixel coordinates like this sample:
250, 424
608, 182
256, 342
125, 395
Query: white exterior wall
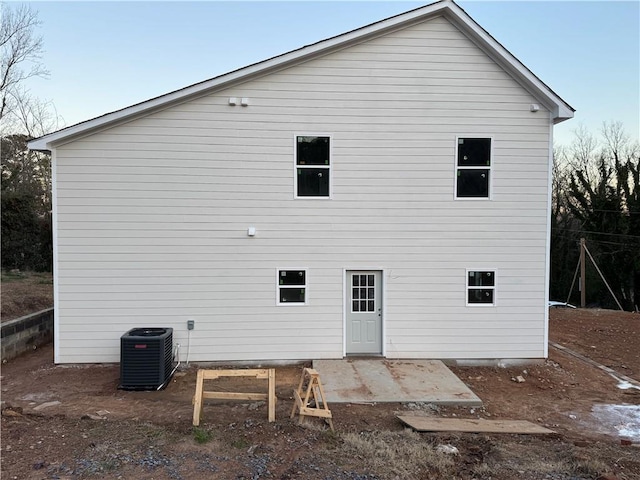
152, 215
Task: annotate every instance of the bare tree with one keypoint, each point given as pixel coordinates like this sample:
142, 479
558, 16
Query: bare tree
34, 116
23, 116
581, 152
25, 175
20, 53
603, 200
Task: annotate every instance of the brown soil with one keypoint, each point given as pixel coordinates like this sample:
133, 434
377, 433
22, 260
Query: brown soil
24, 293
608, 337
149, 434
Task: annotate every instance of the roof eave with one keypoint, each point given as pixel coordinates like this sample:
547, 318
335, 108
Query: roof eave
47, 142
562, 111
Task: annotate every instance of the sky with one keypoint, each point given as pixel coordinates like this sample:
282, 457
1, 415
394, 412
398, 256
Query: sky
104, 56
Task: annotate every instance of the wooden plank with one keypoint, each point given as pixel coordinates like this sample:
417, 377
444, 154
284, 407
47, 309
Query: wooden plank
234, 396
431, 424
315, 412
215, 374
197, 399
272, 395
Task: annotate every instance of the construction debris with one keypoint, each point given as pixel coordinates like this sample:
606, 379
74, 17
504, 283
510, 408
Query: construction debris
431, 424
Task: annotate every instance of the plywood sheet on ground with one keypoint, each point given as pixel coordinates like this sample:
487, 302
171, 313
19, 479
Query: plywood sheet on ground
433, 424
382, 380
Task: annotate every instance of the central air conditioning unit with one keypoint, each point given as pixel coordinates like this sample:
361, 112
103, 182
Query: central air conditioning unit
146, 358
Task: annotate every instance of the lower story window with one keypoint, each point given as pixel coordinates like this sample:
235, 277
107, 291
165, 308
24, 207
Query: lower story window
481, 286
292, 287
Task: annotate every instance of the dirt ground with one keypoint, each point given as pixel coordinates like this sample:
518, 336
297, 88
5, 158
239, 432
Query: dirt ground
24, 293
71, 422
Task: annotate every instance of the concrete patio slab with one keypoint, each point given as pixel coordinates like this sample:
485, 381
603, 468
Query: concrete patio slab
382, 380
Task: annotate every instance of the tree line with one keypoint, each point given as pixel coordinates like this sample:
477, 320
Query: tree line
26, 176
595, 187
596, 196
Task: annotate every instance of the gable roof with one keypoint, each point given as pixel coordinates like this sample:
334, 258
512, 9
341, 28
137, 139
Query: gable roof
447, 8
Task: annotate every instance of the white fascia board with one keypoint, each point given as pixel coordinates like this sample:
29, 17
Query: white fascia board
47, 142
448, 8
559, 108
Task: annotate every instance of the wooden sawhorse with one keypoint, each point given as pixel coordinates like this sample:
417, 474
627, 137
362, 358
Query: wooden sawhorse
312, 393
261, 374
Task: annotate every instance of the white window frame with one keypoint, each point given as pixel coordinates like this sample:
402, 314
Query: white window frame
494, 287
296, 166
490, 168
305, 286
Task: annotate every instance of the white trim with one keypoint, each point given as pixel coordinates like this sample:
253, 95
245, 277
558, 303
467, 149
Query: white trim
56, 282
383, 311
490, 168
560, 109
447, 8
305, 286
547, 262
295, 165
344, 312
494, 288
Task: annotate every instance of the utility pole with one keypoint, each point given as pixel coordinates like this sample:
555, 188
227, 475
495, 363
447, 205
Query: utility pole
583, 276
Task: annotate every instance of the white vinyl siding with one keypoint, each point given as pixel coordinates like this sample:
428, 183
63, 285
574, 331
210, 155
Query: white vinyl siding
153, 214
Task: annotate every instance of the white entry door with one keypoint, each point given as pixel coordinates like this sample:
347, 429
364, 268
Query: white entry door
364, 312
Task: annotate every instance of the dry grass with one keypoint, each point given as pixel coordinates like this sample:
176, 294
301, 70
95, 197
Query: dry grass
24, 293
403, 454
530, 460
408, 454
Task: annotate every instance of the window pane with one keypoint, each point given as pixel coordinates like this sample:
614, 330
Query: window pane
473, 183
312, 150
371, 305
363, 280
292, 295
292, 277
371, 280
313, 182
370, 293
356, 280
363, 293
363, 305
355, 306
482, 279
474, 152
356, 294
477, 295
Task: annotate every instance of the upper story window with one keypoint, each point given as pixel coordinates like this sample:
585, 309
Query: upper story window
481, 286
473, 168
313, 166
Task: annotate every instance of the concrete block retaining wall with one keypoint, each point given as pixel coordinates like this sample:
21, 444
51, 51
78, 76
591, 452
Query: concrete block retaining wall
25, 333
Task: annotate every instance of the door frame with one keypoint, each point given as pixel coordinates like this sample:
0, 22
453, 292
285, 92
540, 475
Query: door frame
345, 297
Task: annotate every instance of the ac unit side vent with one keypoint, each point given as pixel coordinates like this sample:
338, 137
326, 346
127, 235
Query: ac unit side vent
146, 358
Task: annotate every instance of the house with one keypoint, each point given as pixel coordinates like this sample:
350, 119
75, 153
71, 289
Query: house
384, 192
